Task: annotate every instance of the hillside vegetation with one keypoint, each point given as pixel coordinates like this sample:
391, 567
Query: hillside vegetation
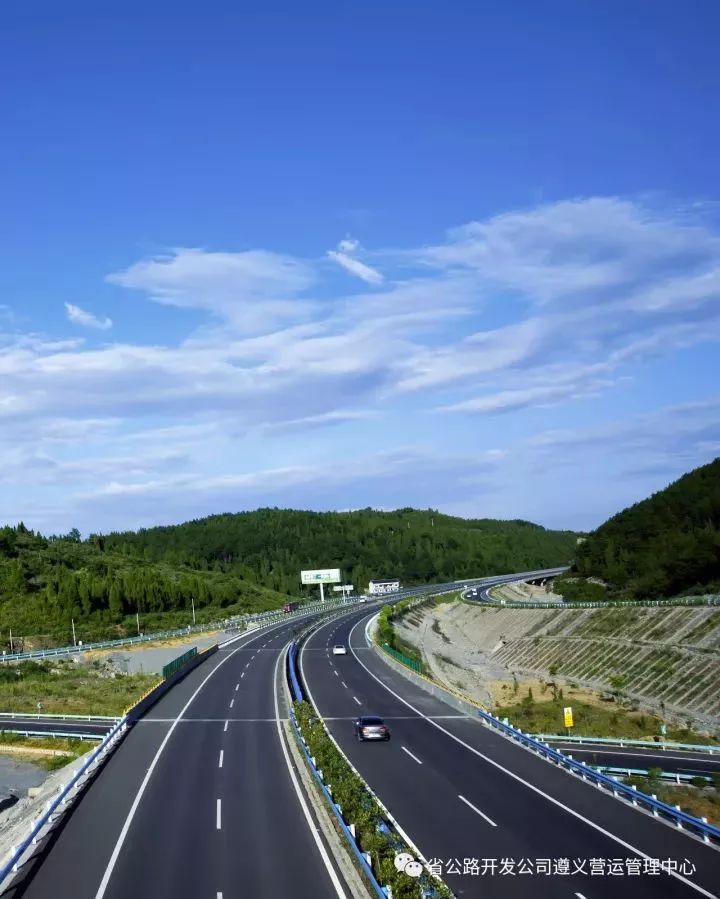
667, 659
665, 545
230, 564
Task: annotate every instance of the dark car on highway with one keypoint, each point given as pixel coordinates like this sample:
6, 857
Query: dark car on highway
371, 728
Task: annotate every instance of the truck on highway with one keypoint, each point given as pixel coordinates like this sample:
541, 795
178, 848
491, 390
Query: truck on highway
290, 606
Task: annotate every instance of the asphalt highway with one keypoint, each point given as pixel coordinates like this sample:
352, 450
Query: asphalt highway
678, 761
197, 801
56, 725
461, 791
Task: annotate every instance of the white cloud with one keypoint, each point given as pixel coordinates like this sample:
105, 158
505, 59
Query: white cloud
82, 317
254, 290
525, 310
343, 256
355, 267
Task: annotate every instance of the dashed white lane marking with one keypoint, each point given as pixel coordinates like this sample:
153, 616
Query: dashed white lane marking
218, 816
335, 673
232, 703
477, 810
226, 726
344, 684
412, 756
357, 700
237, 687
220, 760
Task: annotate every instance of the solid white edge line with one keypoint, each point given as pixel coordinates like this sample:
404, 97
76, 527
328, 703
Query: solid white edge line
411, 754
517, 777
298, 792
218, 815
477, 810
220, 760
136, 802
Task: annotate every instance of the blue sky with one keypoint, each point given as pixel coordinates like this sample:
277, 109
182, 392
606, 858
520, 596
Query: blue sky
461, 255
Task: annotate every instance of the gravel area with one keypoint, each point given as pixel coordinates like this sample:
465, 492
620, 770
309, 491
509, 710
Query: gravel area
17, 776
152, 659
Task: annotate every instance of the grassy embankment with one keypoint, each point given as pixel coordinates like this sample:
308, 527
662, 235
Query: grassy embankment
63, 686
702, 801
46, 752
600, 718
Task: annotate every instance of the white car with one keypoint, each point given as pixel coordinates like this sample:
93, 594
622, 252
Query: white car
339, 650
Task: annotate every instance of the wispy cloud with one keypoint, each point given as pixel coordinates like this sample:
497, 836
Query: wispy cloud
343, 255
82, 317
254, 290
548, 308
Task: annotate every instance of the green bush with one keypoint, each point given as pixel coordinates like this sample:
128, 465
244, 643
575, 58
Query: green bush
360, 808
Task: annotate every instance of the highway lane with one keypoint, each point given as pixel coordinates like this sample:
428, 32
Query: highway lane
672, 760
56, 725
206, 824
462, 791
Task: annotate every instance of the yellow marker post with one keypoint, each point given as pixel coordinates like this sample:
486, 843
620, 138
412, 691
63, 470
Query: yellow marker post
568, 716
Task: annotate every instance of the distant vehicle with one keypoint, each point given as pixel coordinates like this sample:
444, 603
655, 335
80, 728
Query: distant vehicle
371, 728
363, 599
290, 606
339, 650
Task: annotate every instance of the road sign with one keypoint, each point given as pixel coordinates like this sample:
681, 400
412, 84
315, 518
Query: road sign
345, 588
567, 714
321, 576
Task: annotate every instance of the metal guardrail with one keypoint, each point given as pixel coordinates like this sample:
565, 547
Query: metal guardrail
49, 734
639, 603
627, 741
380, 891
41, 716
246, 620
292, 671
682, 819
347, 833
48, 817
587, 772
55, 808
644, 772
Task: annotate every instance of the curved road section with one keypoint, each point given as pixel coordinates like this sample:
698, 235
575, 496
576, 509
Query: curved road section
199, 799
476, 804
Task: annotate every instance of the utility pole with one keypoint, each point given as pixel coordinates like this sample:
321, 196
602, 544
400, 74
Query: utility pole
192, 600
12, 648
137, 618
73, 630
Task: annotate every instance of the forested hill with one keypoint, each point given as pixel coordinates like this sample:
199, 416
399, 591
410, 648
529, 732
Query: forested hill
271, 546
665, 545
246, 562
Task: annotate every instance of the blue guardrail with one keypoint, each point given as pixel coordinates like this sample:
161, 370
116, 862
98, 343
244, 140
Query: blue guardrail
587, 772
